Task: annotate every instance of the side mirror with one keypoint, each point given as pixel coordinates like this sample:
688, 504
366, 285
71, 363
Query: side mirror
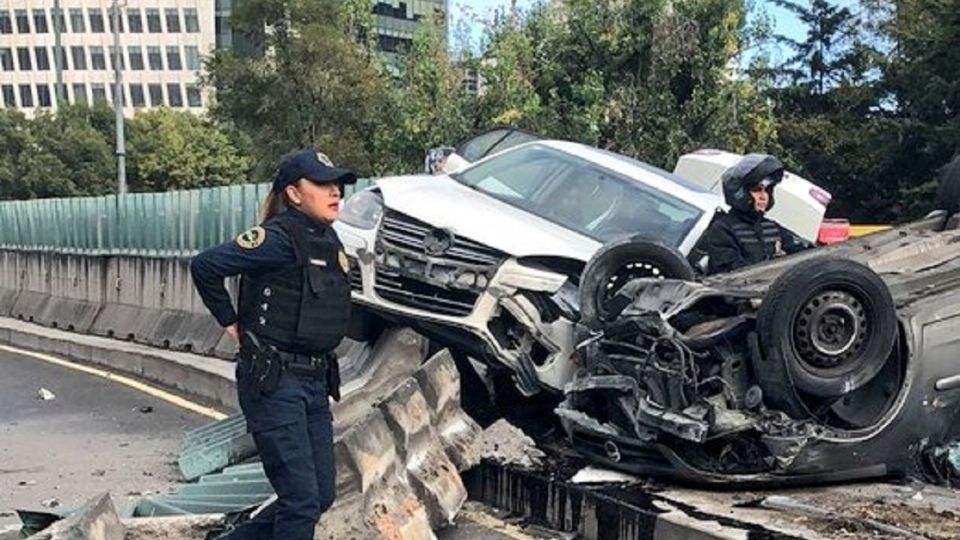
436, 160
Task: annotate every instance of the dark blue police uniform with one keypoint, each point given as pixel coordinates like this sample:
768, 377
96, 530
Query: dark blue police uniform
292, 312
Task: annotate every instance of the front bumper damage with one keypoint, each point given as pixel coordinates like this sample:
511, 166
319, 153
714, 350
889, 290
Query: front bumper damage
508, 314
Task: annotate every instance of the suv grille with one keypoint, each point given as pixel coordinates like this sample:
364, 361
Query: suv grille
403, 232
404, 238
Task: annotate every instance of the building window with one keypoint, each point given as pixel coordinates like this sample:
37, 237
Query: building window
191, 21
156, 95
9, 98
174, 95
23, 57
80, 93
136, 58
97, 59
96, 21
193, 57
113, 56
78, 57
173, 58
173, 20
6, 25
43, 95
26, 95
154, 58
76, 21
134, 20
110, 18
136, 95
153, 21
40, 21
23, 21
6, 59
43, 61
99, 93
194, 99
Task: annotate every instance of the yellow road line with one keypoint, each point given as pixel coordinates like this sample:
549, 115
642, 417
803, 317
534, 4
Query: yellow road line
490, 522
126, 381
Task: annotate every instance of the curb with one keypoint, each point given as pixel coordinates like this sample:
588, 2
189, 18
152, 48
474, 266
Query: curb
603, 512
208, 378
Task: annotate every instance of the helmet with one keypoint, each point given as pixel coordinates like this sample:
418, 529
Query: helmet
751, 171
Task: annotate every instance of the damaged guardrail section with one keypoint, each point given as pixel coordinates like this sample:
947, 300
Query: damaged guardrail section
397, 466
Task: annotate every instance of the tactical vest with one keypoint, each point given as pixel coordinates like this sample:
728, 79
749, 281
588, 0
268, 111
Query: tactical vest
760, 241
303, 308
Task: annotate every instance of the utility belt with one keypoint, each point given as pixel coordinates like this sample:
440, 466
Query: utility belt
267, 364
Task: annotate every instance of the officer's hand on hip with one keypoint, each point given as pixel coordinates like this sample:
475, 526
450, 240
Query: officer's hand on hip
234, 332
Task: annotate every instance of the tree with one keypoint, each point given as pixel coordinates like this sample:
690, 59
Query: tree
176, 150
316, 82
429, 104
54, 155
652, 79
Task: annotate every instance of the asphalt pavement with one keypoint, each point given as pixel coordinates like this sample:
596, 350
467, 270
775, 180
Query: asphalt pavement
95, 435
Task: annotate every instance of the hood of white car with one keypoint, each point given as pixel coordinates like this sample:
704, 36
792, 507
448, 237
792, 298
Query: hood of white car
445, 203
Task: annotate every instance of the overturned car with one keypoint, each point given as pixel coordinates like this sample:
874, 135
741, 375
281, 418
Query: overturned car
829, 365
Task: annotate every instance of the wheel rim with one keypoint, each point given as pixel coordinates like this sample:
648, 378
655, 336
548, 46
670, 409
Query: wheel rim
830, 330
626, 274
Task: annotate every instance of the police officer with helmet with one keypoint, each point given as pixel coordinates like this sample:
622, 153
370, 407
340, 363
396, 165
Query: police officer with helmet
293, 312
743, 236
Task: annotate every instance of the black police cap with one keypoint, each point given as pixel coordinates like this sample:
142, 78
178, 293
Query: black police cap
313, 166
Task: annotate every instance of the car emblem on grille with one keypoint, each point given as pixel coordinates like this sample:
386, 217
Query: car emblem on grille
437, 242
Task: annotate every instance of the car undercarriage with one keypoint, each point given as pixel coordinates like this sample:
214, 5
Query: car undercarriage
833, 364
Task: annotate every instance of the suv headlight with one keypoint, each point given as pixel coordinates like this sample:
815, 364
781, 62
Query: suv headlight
363, 210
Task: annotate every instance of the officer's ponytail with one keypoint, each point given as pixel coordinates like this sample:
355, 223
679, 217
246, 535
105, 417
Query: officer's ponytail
272, 206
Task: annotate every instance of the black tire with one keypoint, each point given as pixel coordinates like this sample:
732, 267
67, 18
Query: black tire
619, 262
827, 326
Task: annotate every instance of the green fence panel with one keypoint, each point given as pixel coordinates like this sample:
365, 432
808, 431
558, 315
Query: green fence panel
171, 224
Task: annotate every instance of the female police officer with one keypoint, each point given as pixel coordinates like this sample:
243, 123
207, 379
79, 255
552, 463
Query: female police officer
293, 311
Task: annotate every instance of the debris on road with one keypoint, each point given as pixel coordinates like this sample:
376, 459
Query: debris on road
98, 473
146, 409
597, 475
96, 520
27, 483
173, 527
50, 503
45, 395
506, 444
790, 505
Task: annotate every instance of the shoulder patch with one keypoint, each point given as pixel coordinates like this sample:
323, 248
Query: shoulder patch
344, 262
252, 238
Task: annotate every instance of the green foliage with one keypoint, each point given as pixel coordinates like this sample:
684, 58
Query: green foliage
865, 103
317, 85
177, 150
428, 103
72, 153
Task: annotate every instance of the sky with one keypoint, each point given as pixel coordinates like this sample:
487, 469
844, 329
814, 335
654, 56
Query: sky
784, 21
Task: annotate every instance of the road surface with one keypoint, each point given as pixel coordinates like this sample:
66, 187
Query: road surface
96, 435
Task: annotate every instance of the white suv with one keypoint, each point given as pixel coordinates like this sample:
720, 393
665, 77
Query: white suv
488, 258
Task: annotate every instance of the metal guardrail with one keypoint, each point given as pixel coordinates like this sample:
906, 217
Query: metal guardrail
170, 224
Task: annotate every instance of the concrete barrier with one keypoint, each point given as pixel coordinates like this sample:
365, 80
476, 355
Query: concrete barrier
142, 299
